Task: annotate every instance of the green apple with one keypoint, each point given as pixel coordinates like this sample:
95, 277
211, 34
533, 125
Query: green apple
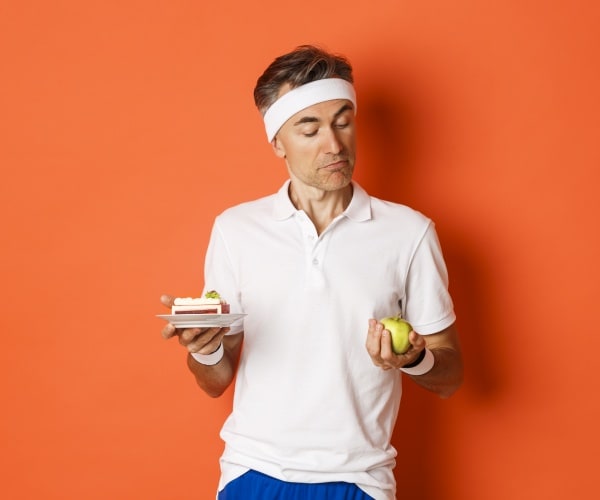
399, 330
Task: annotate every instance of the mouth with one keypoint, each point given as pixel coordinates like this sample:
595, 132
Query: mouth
336, 165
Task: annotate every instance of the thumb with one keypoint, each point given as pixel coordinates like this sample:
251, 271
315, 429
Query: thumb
167, 300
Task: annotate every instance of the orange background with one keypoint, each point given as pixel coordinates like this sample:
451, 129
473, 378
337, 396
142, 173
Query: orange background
126, 126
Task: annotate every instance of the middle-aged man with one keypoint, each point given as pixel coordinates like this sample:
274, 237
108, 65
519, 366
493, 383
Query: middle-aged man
313, 266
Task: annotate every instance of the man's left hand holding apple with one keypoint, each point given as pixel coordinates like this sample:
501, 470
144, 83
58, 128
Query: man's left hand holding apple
446, 375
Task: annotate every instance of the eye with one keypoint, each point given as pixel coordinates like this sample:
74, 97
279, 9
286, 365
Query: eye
342, 124
310, 134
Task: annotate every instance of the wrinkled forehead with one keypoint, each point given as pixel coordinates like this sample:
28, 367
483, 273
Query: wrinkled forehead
295, 100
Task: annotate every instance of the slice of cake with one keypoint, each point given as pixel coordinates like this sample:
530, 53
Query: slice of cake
211, 303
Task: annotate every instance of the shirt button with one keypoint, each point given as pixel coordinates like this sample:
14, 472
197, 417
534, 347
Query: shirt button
315, 262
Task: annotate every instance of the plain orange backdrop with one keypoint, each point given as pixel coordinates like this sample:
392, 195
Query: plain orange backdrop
126, 126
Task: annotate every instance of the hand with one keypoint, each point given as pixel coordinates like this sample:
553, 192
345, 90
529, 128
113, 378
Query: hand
379, 347
200, 340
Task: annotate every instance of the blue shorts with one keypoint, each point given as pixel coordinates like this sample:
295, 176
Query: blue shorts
256, 486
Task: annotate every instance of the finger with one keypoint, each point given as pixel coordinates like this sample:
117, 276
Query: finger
168, 331
208, 342
387, 354
389, 358
204, 346
188, 335
374, 338
373, 343
167, 300
417, 341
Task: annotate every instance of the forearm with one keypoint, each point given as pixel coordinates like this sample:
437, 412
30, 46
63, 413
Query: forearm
446, 376
215, 379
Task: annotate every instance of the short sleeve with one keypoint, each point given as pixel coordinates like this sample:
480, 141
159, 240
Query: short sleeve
219, 273
428, 305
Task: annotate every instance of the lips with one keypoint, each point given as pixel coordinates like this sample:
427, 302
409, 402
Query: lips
341, 163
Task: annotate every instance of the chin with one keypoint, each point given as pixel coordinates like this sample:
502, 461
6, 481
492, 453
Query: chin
339, 179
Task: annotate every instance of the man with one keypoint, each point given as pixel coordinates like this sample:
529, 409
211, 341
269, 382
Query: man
313, 266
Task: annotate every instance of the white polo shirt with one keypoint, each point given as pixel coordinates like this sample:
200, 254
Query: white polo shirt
309, 404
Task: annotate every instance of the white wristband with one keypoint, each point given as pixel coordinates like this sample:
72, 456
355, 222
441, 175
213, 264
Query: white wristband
423, 367
209, 359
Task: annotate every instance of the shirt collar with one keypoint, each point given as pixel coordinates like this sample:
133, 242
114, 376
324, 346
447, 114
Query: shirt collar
358, 210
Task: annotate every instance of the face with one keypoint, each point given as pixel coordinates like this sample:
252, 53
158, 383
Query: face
318, 145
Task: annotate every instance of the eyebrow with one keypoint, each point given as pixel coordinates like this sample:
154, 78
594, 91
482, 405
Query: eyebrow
312, 119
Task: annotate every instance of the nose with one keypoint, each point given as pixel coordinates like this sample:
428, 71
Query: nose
333, 142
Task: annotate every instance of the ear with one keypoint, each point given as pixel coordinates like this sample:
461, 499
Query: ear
278, 148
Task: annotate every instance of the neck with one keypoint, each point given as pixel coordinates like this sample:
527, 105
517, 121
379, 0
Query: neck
321, 206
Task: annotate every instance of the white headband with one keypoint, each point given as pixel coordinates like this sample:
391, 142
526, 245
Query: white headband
304, 96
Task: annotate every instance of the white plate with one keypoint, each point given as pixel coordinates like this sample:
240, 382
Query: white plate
200, 320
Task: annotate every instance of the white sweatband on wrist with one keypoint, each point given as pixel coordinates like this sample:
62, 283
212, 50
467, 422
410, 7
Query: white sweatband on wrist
423, 367
209, 359
304, 96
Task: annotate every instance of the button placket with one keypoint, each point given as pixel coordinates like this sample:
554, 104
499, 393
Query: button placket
313, 252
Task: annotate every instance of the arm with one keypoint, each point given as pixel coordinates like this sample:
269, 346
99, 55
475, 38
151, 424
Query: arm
213, 379
443, 379
216, 378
